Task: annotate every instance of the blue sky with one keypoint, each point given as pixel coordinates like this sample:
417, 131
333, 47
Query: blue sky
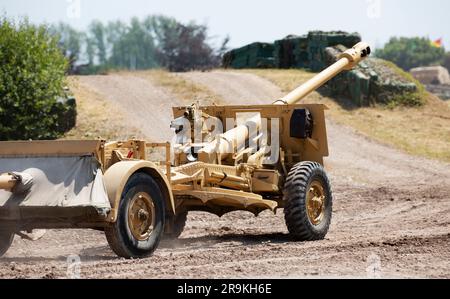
257, 20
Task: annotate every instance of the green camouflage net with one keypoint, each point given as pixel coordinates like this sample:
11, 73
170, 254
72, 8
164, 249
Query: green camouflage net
372, 81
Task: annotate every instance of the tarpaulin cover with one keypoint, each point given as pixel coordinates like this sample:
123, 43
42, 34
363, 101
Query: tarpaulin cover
57, 182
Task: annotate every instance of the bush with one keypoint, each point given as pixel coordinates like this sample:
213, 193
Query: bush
409, 53
32, 72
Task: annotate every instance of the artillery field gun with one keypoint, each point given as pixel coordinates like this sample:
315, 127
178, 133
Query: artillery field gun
271, 158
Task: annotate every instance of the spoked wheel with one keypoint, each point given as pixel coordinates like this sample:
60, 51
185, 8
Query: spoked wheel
140, 221
6, 240
308, 202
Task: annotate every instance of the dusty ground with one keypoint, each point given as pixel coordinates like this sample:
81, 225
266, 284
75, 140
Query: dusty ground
236, 88
391, 212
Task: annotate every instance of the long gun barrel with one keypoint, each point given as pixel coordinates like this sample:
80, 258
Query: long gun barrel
228, 140
348, 60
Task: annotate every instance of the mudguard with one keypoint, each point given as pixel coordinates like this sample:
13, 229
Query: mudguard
117, 176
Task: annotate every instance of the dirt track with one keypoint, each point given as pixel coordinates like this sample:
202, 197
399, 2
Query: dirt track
391, 213
143, 104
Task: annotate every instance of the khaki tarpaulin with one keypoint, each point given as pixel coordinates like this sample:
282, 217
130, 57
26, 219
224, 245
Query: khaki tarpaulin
57, 182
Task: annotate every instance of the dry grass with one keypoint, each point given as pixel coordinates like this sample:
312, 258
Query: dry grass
97, 118
180, 87
287, 80
423, 131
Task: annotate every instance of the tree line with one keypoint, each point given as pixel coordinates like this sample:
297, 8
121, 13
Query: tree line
411, 52
153, 42
158, 41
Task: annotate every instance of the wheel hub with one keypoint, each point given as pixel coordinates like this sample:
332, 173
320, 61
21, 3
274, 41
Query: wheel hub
141, 216
315, 203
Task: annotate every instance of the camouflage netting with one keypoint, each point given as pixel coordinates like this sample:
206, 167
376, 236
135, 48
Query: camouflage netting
308, 51
372, 81
305, 51
256, 55
291, 52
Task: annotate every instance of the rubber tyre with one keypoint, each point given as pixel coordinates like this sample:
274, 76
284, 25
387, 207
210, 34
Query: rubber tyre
6, 239
297, 185
119, 236
177, 225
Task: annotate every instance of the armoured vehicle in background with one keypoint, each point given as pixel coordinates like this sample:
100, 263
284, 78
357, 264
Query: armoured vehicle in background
272, 158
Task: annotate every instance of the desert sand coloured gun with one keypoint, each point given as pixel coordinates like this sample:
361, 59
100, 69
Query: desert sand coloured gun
272, 158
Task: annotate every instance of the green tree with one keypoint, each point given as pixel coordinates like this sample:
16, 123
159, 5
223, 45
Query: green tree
70, 42
90, 50
183, 47
115, 32
161, 27
97, 37
133, 46
409, 53
32, 71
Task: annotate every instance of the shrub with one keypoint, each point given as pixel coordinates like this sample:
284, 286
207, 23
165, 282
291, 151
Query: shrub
32, 72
